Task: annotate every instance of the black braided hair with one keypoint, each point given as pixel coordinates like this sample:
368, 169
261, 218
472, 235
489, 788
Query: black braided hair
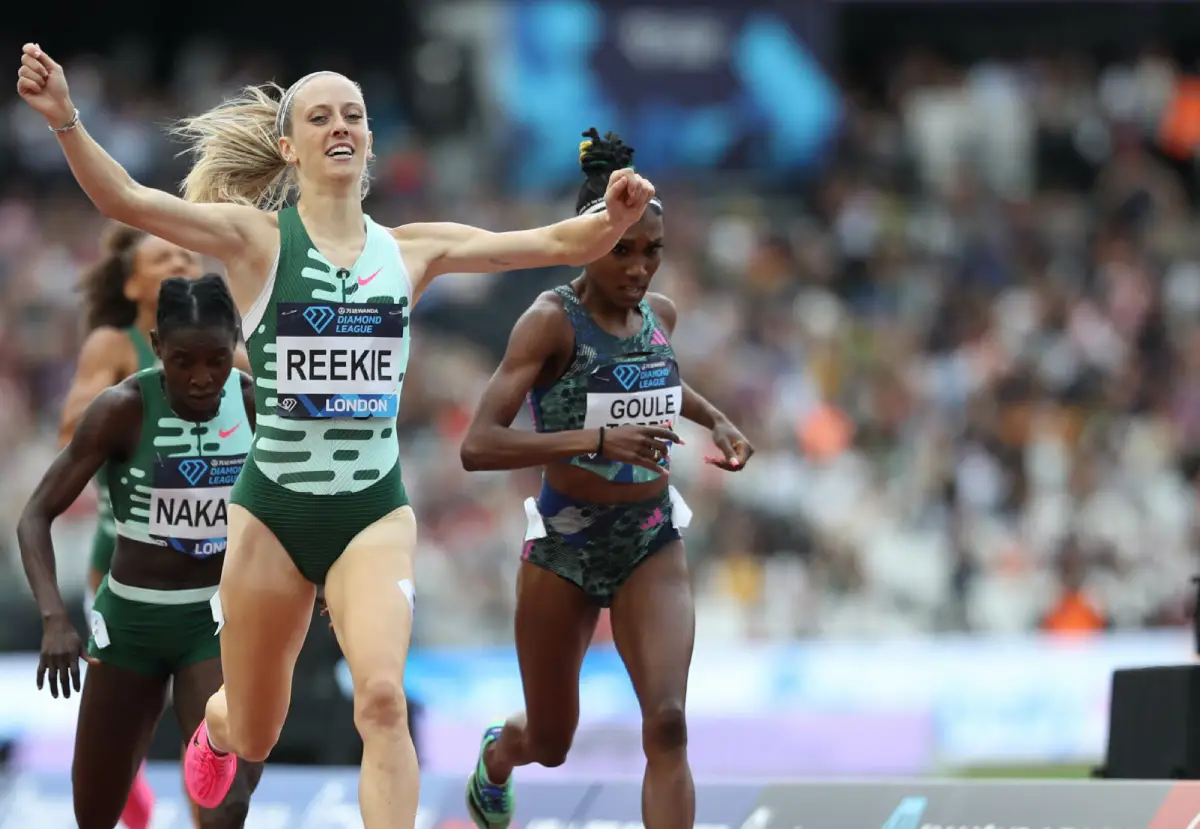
103, 284
599, 158
190, 303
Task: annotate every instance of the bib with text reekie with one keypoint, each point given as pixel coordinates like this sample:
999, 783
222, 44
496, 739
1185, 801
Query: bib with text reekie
339, 360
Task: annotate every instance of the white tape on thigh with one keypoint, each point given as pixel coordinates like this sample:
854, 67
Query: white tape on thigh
89, 601
681, 513
410, 592
218, 613
536, 528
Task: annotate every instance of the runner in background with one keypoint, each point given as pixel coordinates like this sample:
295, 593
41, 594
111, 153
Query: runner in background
169, 443
594, 359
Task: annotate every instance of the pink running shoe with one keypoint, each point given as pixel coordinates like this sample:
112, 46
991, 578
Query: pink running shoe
140, 805
208, 775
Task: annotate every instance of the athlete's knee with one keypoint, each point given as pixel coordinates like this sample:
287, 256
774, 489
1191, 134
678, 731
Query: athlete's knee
380, 705
252, 741
664, 728
552, 754
248, 734
550, 744
90, 815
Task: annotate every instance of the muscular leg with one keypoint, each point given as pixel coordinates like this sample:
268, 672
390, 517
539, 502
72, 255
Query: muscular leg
372, 618
267, 606
554, 624
117, 715
654, 629
194, 684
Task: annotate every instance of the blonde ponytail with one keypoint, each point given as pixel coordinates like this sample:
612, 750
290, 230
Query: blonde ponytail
235, 151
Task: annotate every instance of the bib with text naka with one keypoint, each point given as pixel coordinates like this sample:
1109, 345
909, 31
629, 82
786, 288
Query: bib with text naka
189, 503
339, 361
634, 392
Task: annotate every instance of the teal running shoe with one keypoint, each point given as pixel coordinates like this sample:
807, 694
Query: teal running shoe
490, 805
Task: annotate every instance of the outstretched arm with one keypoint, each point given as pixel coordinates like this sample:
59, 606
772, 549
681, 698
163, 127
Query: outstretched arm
436, 248
222, 231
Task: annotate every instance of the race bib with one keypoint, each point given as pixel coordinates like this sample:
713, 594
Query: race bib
189, 503
634, 394
339, 361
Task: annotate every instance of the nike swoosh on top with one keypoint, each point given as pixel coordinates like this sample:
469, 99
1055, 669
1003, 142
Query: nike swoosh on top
224, 433
363, 282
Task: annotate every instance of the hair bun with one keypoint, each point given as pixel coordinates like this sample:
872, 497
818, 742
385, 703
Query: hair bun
601, 157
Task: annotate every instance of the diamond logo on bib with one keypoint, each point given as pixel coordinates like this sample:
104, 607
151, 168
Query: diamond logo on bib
627, 374
319, 317
192, 469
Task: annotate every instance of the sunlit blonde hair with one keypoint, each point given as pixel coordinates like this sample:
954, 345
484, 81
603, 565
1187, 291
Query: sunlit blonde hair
235, 149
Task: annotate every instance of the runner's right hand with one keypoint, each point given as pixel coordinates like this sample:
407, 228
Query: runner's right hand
639, 445
43, 85
61, 651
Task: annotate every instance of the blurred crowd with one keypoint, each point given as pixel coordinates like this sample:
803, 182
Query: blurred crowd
966, 351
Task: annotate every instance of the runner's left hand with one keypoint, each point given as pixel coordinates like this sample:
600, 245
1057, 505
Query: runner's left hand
733, 445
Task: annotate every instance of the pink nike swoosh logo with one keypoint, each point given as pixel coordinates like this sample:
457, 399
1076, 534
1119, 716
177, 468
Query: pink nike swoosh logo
363, 282
224, 433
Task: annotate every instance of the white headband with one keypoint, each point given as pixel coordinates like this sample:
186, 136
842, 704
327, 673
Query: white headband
598, 205
285, 104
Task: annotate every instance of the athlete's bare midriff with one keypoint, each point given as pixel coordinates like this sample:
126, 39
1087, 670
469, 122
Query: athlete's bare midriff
584, 485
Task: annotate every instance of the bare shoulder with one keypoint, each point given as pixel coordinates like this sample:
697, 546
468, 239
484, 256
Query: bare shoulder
104, 339
664, 308
422, 242
546, 312
542, 329
112, 423
106, 349
119, 404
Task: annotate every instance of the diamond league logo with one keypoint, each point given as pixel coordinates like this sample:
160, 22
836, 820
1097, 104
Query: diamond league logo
627, 375
319, 317
192, 469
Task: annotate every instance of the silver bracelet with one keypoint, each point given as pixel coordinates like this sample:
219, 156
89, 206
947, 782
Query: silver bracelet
67, 127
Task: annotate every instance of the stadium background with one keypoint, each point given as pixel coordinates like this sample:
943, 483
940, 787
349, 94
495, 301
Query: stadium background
938, 260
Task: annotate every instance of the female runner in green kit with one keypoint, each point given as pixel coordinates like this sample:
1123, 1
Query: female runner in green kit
169, 443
